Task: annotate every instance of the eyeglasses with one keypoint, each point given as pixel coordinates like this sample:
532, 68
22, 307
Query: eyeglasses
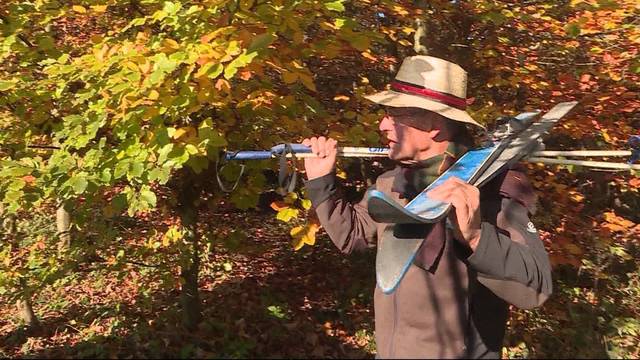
403, 112
413, 117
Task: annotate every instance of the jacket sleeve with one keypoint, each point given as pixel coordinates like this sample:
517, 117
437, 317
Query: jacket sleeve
511, 259
349, 225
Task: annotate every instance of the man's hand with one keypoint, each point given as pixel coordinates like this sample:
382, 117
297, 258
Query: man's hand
326, 151
465, 199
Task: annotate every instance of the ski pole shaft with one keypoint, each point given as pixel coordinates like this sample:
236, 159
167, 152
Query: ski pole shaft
596, 164
584, 153
302, 151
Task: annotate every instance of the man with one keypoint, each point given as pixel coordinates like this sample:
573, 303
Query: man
453, 301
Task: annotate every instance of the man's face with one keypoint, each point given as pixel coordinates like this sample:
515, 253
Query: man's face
411, 133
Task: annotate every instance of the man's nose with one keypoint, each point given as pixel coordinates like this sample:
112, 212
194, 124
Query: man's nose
386, 124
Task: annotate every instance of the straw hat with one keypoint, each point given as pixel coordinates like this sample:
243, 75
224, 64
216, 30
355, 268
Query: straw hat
429, 83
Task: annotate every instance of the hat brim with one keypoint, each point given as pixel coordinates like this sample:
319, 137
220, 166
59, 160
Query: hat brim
398, 99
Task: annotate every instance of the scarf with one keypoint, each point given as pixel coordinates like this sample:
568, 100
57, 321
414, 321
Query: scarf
416, 176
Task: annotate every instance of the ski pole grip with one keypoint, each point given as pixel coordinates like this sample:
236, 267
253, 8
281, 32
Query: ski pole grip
247, 155
295, 148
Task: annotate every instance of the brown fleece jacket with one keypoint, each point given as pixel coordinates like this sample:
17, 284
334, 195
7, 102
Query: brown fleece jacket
453, 303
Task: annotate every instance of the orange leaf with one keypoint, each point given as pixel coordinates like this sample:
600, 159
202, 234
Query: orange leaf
341, 98
279, 205
367, 55
222, 83
29, 179
245, 75
608, 58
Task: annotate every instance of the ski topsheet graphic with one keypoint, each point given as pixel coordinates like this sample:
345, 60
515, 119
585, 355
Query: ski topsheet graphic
476, 167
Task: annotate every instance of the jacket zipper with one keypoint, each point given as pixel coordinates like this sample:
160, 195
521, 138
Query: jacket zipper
393, 329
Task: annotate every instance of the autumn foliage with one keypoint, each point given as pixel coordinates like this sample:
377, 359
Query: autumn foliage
116, 112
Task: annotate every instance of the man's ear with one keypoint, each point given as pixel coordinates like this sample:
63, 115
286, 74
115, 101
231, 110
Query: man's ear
442, 130
436, 134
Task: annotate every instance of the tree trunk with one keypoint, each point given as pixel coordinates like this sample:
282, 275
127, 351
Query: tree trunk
420, 38
63, 225
25, 308
190, 264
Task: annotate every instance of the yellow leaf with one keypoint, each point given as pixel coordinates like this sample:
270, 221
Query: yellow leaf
79, 9
153, 95
400, 10
99, 8
306, 204
408, 30
246, 5
575, 196
131, 66
191, 149
291, 198
307, 81
146, 67
287, 214
304, 235
289, 77
169, 45
187, 131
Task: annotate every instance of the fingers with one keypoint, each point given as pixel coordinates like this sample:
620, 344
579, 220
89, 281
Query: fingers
457, 197
332, 147
464, 197
322, 146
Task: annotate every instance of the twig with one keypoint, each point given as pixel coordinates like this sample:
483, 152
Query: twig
142, 264
20, 36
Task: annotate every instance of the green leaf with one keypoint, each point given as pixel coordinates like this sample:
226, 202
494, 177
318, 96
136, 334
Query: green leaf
261, 41
171, 8
121, 169
6, 85
148, 197
572, 29
335, 5
78, 183
239, 62
136, 170
164, 152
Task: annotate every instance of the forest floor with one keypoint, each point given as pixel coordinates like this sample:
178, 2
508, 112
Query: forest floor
264, 300
261, 300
